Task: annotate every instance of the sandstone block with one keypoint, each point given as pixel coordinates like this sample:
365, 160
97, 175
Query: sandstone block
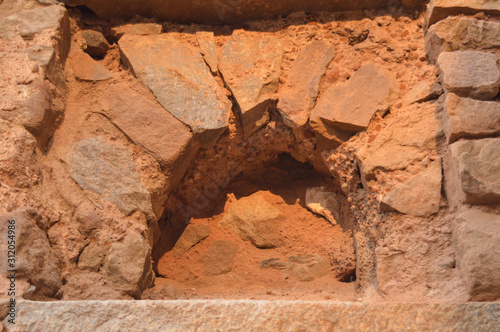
298, 95
470, 118
87, 69
254, 219
418, 197
178, 76
460, 34
472, 171
95, 43
141, 29
151, 127
351, 106
34, 260
108, 170
206, 41
440, 9
477, 243
250, 64
470, 73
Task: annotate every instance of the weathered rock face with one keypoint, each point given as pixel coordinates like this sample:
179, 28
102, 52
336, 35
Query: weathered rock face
151, 127
471, 171
351, 106
298, 94
206, 42
409, 138
418, 197
253, 219
191, 236
324, 203
469, 118
230, 11
459, 34
210, 315
470, 73
34, 261
180, 80
440, 9
250, 64
477, 241
141, 29
130, 264
108, 170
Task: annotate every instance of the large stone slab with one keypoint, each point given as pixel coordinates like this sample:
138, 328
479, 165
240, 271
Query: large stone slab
461, 33
107, 169
228, 315
351, 106
87, 69
470, 73
472, 171
178, 76
440, 9
477, 244
224, 11
250, 64
470, 118
418, 197
151, 127
33, 259
299, 93
408, 138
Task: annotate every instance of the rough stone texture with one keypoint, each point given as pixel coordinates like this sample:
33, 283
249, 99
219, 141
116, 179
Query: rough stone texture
87, 69
470, 73
324, 203
299, 93
418, 197
351, 106
440, 9
250, 65
459, 34
191, 236
219, 258
214, 315
141, 29
253, 219
408, 138
151, 127
230, 11
130, 264
34, 261
388, 263
206, 41
18, 166
178, 76
301, 267
108, 170
423, 92
471, 171
477, 243
470, 118
95, 43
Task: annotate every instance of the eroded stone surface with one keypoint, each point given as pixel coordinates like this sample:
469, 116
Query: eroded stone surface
151, 127
34, 261
210, 315
418, 197
351, 106
178, 76
470, 73
472, 171
253, 219
477, 242
206, 41
440, 9
461, 33
136, 29
324, 203
299, 93
108, 170
87, 69
470, 118
251, 64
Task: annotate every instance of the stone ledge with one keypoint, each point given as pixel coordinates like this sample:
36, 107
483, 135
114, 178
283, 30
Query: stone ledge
227, 315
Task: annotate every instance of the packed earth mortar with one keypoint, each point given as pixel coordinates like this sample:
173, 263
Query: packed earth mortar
319, 155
